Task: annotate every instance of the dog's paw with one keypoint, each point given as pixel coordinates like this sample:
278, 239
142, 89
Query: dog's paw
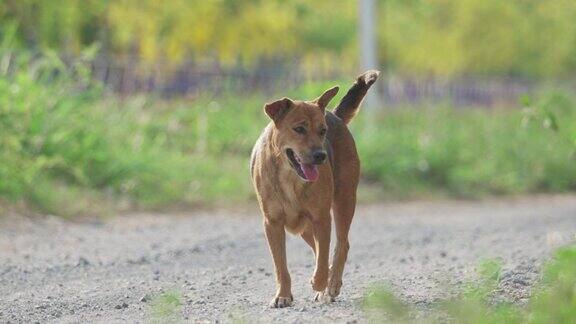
334, 288
281, 302
323, 297
318, 282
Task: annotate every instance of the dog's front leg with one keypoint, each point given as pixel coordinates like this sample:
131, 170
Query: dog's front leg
321, 227
276, 236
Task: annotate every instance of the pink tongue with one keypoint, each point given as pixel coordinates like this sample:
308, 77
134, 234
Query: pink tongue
310, 172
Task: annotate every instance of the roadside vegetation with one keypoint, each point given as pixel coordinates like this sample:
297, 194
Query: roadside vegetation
69, 147
553, 299
470, 153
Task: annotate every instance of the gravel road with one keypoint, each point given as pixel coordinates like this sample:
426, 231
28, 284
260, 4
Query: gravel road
217, 262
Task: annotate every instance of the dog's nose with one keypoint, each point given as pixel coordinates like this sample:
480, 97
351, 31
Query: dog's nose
319, 156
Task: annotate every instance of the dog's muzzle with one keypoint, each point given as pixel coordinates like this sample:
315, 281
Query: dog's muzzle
306, 171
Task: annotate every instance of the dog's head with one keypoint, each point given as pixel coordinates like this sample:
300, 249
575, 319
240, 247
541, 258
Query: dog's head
300, 132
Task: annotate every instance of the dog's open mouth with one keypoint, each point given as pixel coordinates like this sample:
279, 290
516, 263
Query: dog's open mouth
308, 172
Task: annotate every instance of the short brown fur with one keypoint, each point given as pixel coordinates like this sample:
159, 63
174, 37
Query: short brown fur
291, 203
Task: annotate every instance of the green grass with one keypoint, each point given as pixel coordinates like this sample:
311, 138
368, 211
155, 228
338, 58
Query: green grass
166, 308
553, 299
68, 147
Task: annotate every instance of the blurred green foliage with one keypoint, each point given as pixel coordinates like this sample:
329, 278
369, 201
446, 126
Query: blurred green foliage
472, 152
553, 299
66, 145
523, 38
173, 30
527, 38
64, 149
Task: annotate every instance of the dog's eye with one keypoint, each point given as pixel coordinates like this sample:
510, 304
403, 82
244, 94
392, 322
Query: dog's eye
300, 130
323, 132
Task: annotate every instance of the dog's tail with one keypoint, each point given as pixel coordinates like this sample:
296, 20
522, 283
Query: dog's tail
348, 106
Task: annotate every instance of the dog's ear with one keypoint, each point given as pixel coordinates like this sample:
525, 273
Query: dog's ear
325, 98
278, 109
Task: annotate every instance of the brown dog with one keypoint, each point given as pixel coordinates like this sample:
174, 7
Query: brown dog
304, 164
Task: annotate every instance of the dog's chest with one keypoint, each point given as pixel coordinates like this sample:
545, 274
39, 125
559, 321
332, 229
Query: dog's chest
293, 205
294, 194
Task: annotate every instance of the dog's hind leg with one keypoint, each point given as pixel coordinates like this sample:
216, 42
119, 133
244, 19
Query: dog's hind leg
321, 228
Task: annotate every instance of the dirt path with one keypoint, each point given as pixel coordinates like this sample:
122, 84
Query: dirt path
218, 263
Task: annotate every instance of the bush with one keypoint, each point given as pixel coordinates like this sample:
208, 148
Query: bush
471, 153
64, 148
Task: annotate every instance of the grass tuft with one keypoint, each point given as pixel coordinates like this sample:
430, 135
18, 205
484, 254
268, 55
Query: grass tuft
166, 308
553, 299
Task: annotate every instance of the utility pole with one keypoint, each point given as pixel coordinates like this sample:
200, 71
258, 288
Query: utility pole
368, 52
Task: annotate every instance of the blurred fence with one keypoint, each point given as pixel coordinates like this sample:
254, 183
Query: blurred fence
127, 77
210, 77
469, 90
270, 77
